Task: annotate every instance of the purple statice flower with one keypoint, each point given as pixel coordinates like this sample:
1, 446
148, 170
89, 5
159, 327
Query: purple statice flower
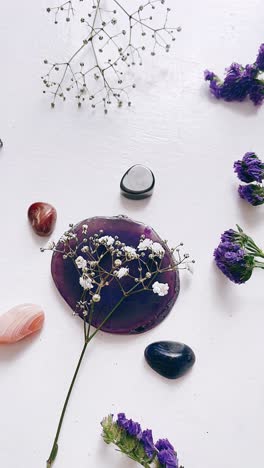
250, 168
162, 454
164, 444
168, 458
252, 193
234, 261
228, 236
260, 58
148, 443
215, 84
131, 427
239, 83
235, 86
209, 76
166, 454
256, 93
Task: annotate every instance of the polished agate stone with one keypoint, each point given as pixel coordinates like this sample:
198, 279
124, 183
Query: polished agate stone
42, 217
138, 182
139, 312
169, 358
19, 322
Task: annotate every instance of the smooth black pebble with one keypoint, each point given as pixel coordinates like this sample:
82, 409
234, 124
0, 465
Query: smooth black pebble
138, 182
169, 358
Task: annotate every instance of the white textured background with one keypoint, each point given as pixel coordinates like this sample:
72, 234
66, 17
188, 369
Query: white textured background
75, 160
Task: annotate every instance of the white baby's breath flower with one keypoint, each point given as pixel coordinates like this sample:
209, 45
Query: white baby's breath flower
106, 240
67, 236
81, 262
130, 252
84, 228
161, 289
121, 272
86, 282
157, 249
118, 262
85, 249
50, 245
145, 244
96, 298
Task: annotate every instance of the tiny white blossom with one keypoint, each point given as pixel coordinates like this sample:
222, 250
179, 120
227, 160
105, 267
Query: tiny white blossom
86, 282
161, 289
50, 245
96, 298
118, 262
81, 262
157, 249
106, 240
121, 272
145, 244
130, 251
84, 228
85, 249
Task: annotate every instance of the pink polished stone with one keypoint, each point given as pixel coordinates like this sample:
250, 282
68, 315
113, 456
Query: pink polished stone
19, 322
139, 312
42, 217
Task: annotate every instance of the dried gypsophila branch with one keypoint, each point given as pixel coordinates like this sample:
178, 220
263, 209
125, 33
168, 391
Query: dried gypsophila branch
147, 259
113, 40
93, 276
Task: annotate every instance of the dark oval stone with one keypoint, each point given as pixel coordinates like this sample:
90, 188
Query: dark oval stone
169, 358
138, 182
138, 313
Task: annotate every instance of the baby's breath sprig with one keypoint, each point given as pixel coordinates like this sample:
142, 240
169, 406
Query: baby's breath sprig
106, 260
65, 7
113, 41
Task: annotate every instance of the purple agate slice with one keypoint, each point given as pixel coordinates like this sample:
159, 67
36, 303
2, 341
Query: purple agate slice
139, 312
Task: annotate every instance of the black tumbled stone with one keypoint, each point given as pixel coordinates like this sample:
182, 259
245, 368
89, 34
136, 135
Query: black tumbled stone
138, 182
169, 358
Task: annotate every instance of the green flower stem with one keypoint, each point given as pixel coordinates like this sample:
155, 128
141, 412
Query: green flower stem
54, 449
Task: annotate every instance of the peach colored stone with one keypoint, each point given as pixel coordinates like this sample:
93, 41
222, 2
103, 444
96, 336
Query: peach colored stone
19, 322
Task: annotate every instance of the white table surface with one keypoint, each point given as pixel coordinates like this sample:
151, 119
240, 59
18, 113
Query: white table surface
73, 159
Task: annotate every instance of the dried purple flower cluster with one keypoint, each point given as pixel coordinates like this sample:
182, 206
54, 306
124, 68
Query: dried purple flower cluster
237, 255
163, 449
251, 171
240, 82
138, 444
